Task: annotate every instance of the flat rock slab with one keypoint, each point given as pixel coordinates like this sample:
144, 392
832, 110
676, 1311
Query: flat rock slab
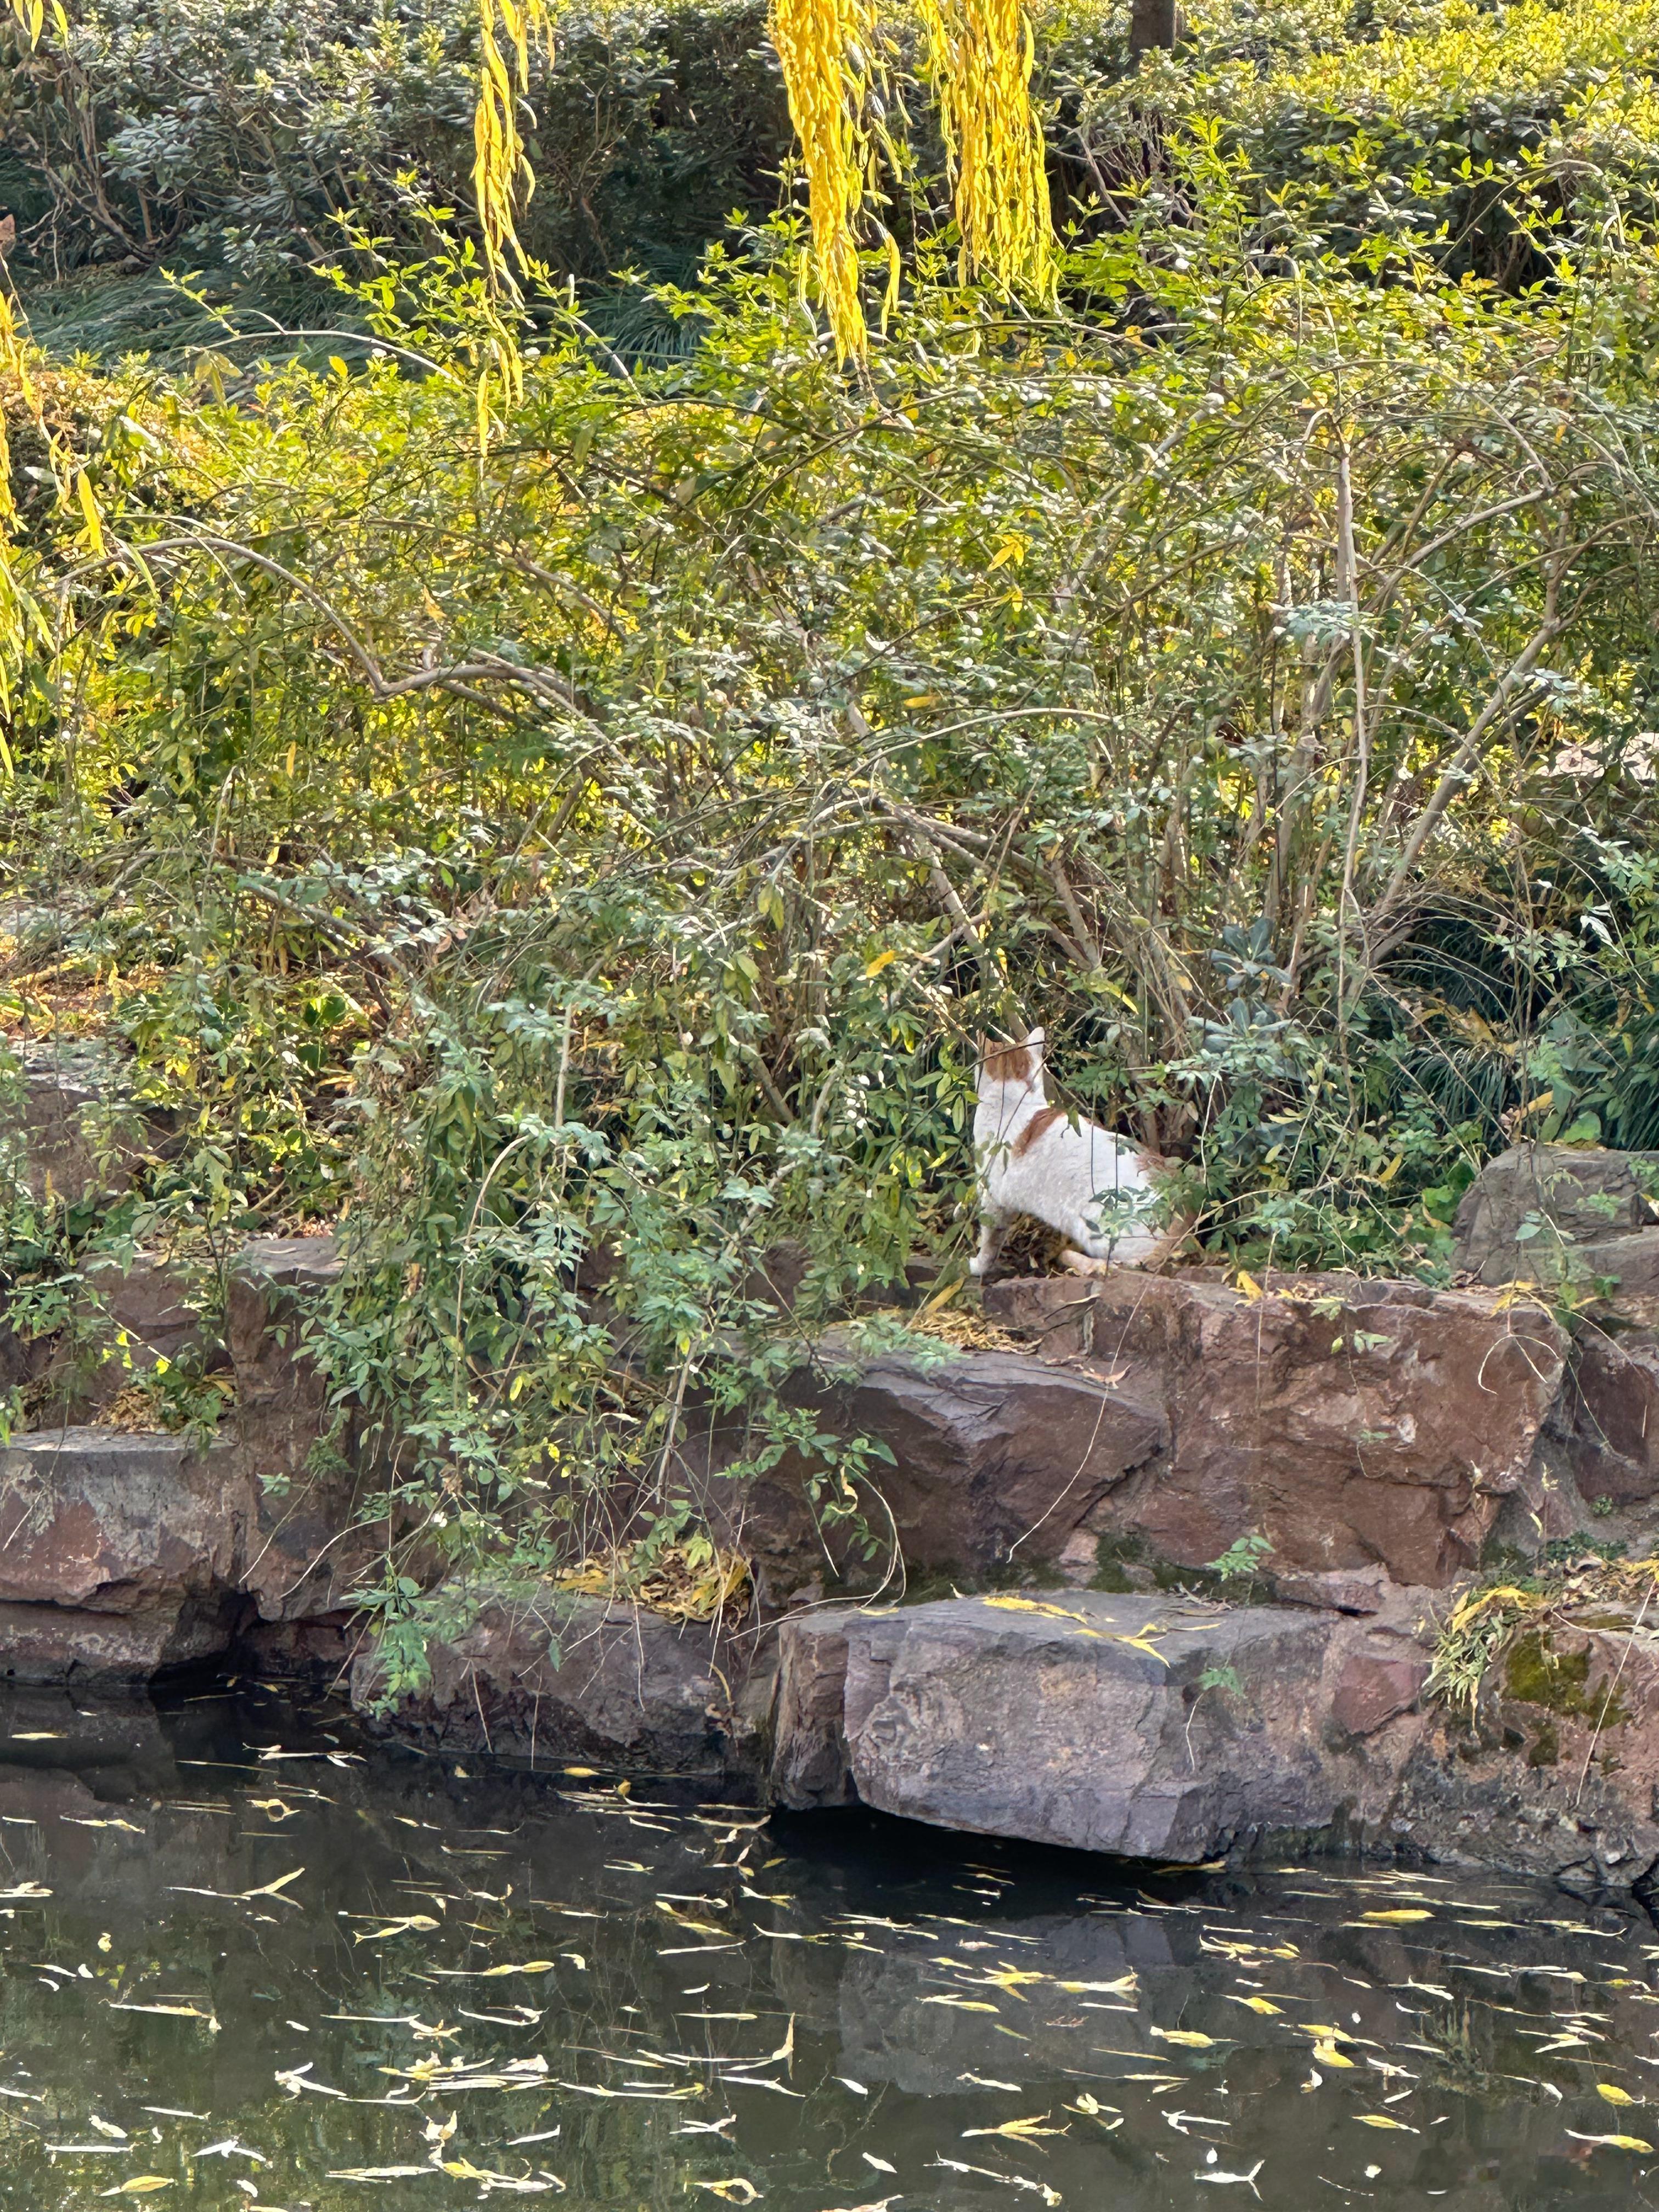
1150, 1730
1349, 1423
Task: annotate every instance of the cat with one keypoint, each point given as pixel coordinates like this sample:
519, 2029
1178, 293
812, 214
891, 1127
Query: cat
1094, 1187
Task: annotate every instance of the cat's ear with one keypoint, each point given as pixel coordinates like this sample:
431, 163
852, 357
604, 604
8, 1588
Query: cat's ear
1034, 1042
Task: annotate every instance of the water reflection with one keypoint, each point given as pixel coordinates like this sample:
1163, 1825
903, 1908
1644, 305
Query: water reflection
246, 1964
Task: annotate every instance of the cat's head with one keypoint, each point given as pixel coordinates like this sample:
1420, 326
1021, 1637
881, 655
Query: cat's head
1012, 1067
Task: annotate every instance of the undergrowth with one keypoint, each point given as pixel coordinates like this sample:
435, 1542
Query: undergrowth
564, 820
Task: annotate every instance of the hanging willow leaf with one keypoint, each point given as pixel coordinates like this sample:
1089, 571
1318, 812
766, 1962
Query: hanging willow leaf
826, 48
502, 179
979, 55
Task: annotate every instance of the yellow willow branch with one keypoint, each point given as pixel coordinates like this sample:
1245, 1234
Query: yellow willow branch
980, 56
501, 175
824, 46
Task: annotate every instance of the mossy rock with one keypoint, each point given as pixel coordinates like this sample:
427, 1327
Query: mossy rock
1536, 1674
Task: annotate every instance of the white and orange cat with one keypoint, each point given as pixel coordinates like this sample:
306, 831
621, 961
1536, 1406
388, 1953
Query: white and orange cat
1094, 1187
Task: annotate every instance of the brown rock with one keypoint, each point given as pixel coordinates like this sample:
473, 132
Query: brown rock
135, 1315
1631, 1262
1373, 1687
1354, 1589
540, 1677
118, 1554
308, 1551
1611, 1417
77, 1130
1557, 1771
1068, 1722
995, 1456
1349, 1423
1526, 1211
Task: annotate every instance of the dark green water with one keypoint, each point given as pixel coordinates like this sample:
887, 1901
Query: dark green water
245, 1980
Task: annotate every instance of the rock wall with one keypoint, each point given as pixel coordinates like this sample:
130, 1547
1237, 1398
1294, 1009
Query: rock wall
1353, 1449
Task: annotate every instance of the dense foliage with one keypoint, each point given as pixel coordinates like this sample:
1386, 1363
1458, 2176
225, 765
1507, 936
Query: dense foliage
569, 815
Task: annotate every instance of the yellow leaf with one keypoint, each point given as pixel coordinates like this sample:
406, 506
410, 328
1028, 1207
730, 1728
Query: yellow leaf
1247, 1286
961, 2004
89, 509
1188, 2037
1615, 2095
882, 960
1399, 1917
530, 1966
1612, 2142
1382, 2120
142, 2185
1328, 2055
1257, 2004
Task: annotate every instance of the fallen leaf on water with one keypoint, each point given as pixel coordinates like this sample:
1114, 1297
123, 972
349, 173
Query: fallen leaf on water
1050, 2196
1612, 2142
173, 2008
1016, 2130
1382, 2120
1188, 2038
142, 2185
1398, 1917
1257, 2004
1614, 2094
380, 2173
880, 2164
737, 2190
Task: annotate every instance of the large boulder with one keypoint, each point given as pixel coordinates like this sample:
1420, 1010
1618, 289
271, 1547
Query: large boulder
1179, 1732
1170, 1731
1348, 1422
1548, 1213
987, 1457
542, 1677
119, 1555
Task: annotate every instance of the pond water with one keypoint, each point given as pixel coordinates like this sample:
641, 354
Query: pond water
249, 1962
